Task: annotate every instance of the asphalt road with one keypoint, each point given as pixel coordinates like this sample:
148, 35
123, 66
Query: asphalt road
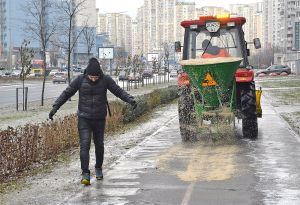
163, 170
8, 92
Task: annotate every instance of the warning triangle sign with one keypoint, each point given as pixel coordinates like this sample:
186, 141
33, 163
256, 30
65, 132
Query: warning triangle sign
209, 81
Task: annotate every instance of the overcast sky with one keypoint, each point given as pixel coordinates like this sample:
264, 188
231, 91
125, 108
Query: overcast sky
130, 6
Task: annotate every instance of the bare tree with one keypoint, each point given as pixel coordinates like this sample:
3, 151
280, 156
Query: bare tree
167, 53
137, 64
263, 58
69, 11
120, 59
26, 55
89, 35
41, 28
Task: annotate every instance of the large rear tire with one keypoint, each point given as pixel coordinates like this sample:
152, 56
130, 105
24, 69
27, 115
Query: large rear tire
187, 117
248, 110
250, 128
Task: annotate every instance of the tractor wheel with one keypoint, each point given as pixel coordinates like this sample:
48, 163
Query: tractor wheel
186, 112
248, 109
250, 128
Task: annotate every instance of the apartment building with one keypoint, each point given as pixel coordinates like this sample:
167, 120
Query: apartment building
282, 30
213, 11
12, 25
281, 22
118, 27
138, 40
87, 16
160, 22
184, 11
254, 20
14, 22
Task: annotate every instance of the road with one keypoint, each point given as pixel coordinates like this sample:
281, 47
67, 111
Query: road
8, 91
162, 170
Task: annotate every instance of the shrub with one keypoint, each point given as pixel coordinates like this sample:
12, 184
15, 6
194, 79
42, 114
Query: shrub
23, 146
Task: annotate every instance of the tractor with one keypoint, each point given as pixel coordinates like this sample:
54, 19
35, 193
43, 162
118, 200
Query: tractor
216, 83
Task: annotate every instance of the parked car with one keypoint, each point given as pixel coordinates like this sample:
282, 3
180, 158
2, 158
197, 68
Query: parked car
59, 77
123, 75
53, 71
77, 70
147, 73
7, 73
134, 77
161, 72
173, 74
275, 69
16, 73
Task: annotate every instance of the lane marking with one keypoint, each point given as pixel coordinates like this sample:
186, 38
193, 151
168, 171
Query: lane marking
187, 196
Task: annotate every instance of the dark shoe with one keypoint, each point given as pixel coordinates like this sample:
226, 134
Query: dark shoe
86, 179
99, 174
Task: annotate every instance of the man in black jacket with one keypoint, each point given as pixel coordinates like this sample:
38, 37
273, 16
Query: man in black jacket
92, 111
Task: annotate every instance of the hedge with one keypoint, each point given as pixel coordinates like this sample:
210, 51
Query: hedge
24, 145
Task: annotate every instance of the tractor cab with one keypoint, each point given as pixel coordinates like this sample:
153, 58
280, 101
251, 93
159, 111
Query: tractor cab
219, 36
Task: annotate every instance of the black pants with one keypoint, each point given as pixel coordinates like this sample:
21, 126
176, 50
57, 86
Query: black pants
86, 127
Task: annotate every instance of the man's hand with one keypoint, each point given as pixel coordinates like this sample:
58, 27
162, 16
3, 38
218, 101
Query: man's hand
133, 104
52, 113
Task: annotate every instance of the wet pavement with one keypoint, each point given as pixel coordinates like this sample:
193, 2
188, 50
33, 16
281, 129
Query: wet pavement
161, 169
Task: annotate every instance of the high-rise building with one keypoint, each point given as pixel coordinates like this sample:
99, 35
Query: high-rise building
281, 18
213, 11
254, 16
184, 11
3, 33
87, 16
167, 21
150, 25
12, 26
86, 20
15, 21
135, 43
100, 28
289, 13
118, 26
137, 34
161, 22
268, 22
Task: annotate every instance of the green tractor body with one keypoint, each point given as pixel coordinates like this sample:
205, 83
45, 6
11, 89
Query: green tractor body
217, 83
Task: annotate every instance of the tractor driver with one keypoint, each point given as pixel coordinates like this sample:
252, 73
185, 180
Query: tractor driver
210, 51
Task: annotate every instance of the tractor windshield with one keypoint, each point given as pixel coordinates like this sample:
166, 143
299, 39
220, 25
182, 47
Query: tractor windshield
224, 43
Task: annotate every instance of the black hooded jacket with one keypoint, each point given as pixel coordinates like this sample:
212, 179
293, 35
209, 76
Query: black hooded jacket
92, 96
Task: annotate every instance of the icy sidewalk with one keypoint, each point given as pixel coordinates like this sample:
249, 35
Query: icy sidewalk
64, 179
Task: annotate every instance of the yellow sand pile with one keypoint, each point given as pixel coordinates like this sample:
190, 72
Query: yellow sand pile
206, 61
